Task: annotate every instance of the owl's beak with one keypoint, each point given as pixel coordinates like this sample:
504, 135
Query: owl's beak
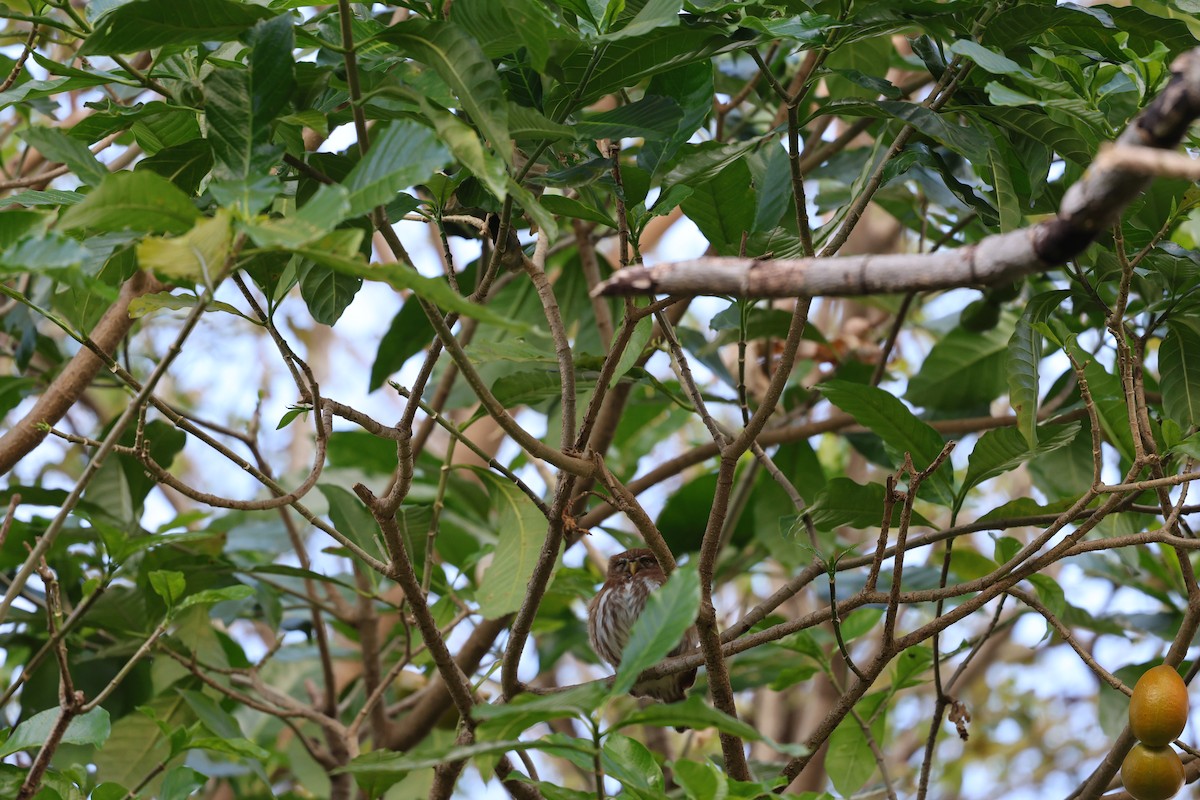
633, 567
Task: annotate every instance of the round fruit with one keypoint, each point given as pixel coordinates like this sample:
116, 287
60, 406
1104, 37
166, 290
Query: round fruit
1004, 292
1159, 707
1152, 773
979, 316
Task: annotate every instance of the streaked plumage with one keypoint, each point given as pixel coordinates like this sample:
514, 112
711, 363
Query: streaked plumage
632, 576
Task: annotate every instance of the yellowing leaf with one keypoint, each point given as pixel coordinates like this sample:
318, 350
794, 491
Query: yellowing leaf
195, 256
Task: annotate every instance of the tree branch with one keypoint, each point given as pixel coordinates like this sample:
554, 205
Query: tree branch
76, 377
1088, 208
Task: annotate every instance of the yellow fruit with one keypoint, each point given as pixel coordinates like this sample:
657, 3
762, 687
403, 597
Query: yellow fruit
1158, 709
1152, 773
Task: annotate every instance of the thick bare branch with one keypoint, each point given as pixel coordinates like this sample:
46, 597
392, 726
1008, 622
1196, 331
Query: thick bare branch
1088, 208
75, 378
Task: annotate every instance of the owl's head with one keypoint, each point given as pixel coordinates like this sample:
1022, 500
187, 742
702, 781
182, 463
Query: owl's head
628, 565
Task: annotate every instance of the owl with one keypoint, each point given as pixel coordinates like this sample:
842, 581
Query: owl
632, 576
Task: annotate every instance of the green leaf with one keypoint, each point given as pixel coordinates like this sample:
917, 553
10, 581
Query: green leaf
669, 612
327, 291
1035, 125
58, 146
773, 187
964, 370
665, 203
968, 565
576, 701
137, 744
1024, 359
570, 207
53, 197
693, 712
900, 430
91, 728
611, 10
642, 332
1051, 594
972, 144
529, 203
552, 791
503, 28
1180, 381
290, 416
168, 584
271, 68
1109, 397
181, 783
649, 118
100, 76
351, 517
849, 760
304, 574
110, 791
468, 148
386, 762
158, 126
150, 24
701, 781
1002, 95
843, 502
184, 165
399, 277
533, 386
149, 303
805, 28
210, 712
248, 195
655, 15
236, 746
1189, 447
911, 666
1050, 93
691, 87
686, 511
239, 107
859, 622
328, 206
627, 61
698, 163
461, 63
529, 123
401, 155
521, 529
409, 333
1068, 471
16, 224
139, 201
506, 721
721, 208
1003, 449
238, 135
1008, 202
631, 763
52, 254
992, 61
213, 596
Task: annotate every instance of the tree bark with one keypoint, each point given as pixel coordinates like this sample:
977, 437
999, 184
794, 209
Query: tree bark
65, 390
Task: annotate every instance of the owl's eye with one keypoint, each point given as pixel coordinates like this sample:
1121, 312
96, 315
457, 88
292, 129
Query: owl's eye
646, 561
